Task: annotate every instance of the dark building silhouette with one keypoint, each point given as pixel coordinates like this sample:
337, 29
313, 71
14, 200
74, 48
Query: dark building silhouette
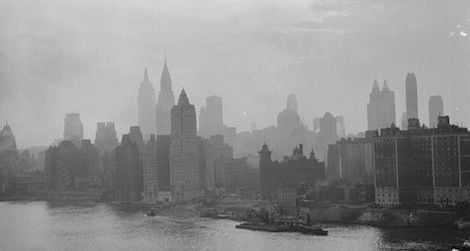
436, 109
150, 171
422, 165
8, 157
381, 107
105, 138
163, 162
289, 120
186, 152
146, 106
292, 170
165, 103
411, 96
73, 128
69, 167
136, 137
215, 154
211, 120
128, 178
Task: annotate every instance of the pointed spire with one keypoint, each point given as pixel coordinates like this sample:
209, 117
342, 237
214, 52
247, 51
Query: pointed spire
165, 80
385, 86
183, 99
146, 75
375, 86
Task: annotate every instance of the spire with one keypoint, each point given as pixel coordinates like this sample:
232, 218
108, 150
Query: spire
385, 86
375, 86
146, 76
183, 99
165, 80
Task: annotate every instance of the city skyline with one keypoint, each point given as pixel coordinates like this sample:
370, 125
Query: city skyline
268, 60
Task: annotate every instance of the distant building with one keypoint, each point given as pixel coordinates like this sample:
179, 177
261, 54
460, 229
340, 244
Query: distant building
69, 167
163, 162
73, 128
165, 103
8, 157
235, 174
422, 165
340, 127
146, 107
211, 117
105, 138
215, 153
128, 178
136, 137
327, 134
186, 152
351, 160
436, 109
289, 120
381, 107
291, 171
150, 171
411, 96
404, 121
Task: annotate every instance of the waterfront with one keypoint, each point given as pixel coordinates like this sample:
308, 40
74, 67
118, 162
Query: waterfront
47, 226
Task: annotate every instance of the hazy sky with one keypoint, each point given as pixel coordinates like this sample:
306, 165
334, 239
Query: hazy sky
88, 57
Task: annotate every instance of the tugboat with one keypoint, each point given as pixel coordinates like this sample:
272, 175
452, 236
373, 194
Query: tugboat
310, 230
152, 212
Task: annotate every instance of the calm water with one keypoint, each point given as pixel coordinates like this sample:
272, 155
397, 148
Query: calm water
43, 226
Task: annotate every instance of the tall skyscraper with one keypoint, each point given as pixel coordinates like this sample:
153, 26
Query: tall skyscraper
146, 106
289, 120
185, 152
211, 120
411, 96
105, 139
381, 107
436, 109
73, 128
128, 178
165, 103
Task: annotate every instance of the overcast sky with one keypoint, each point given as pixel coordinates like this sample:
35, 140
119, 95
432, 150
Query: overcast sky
88, 56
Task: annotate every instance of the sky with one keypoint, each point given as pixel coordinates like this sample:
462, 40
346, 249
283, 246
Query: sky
58, 57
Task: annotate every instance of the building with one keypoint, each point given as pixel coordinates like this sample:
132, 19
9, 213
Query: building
215, 153
136, 137
186, 152
146, 107
127, 177
351, 160
288, 120
165, 103
436, 109
404, 122
381, 107
211, 120
163, 162
291, 171
150, 171
411, 96
69, 167
235, 174
8, 157
340, 127
105, 137
73, 128
422, 165
327, 134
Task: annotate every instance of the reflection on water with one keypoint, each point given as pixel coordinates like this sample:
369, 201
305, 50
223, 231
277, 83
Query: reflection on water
52, 226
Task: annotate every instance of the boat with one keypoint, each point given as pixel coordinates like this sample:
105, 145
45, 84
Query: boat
152, 212
264, 227
310, 230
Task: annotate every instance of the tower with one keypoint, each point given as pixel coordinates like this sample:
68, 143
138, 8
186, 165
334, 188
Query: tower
73, 128
186, 163
265, 164
381, 107
211, 117
411, 96
436, 109
165, 102
146, 106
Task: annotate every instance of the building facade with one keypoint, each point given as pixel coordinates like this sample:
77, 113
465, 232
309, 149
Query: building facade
106, 138
146, 107
436, 109
411, 96
165, 102
381, 107
211, 120
73, 128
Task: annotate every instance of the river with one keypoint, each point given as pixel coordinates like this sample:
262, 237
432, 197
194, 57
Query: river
48, 226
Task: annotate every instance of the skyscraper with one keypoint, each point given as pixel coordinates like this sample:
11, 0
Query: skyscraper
185, 152
73, 128
105, 139
165, 102
411, 96
211, 120
436, 109
128, 178
381, 107
150, 171
146, 106
289, 120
